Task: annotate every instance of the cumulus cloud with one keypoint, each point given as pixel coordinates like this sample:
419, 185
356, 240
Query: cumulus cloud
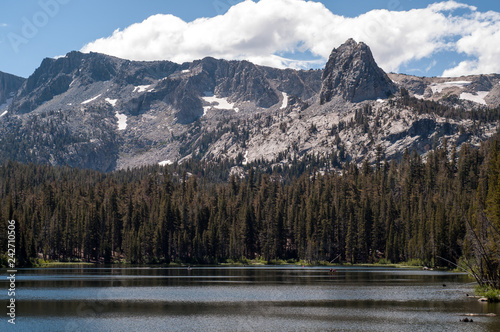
269, 32
480, 42
450, 5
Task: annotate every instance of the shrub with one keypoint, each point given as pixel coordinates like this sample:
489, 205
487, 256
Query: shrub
492, 294
384, 261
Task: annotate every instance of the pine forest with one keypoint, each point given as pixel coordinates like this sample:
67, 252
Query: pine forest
441, 211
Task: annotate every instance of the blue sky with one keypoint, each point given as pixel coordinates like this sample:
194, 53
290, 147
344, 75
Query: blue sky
445, 39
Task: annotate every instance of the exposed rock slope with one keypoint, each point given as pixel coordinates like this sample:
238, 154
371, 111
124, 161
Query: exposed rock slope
9, 84
352, 74
101, 112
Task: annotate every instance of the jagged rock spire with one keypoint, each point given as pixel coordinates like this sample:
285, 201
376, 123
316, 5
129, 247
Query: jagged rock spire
352, 74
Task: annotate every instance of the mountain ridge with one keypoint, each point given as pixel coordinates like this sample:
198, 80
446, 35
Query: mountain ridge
96, 111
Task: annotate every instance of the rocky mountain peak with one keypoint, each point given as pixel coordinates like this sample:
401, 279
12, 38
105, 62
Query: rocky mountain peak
352, 74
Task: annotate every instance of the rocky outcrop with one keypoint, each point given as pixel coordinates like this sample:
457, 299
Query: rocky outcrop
55, 76
303, 84
352, 74
240, 81
9, 84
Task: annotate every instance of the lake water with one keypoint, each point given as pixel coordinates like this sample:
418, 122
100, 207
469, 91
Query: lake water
267, 298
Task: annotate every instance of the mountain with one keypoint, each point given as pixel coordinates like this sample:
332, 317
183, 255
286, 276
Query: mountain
352, 74
9, 84
466, 91
101, 112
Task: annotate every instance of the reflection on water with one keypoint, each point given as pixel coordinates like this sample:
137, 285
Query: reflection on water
268, 298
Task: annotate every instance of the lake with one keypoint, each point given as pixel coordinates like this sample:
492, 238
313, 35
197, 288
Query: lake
262, 298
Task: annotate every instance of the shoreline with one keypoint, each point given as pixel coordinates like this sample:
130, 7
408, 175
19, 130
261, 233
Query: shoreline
249, 263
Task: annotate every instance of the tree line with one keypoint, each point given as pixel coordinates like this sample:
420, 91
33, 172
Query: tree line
442, 210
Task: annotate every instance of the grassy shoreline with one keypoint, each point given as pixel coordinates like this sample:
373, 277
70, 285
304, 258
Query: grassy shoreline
244, 262
412, 264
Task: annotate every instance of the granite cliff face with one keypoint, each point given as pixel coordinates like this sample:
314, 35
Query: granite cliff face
101, 112
9, 84
352, 74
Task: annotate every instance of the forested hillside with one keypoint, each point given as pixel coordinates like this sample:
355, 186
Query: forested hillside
441, 211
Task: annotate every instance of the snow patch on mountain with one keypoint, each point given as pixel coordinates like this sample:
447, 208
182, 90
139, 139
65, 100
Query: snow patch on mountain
284, 104
217, 103
122, 121
142, 88
91, 99
439, 87
477, 98
245, 162
165, 162
112, 102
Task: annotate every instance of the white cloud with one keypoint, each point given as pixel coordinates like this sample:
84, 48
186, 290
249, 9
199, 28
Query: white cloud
481, 44
254, 31
431, 65
3, 25
265, 30
450, 5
